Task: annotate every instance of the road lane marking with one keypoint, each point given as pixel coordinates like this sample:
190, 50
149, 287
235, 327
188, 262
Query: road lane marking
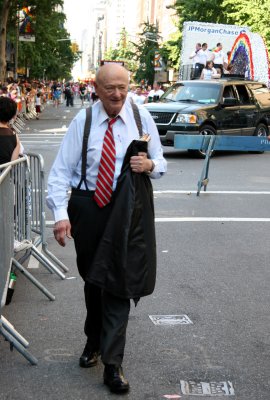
198, 219
210, 192
211, 219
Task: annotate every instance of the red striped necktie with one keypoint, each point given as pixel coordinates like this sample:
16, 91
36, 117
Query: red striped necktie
104, 184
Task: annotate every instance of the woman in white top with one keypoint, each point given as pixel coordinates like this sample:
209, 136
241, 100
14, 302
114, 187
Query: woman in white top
209, 71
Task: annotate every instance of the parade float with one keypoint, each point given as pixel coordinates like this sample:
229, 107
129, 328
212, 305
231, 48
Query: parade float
249, 57
248, 52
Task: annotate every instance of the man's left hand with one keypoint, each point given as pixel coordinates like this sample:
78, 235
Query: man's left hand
140, 163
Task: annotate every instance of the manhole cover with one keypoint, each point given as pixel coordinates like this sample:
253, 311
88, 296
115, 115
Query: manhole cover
170, 319
207, 388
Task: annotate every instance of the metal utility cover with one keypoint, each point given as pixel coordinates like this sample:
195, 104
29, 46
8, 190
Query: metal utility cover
170, 320
207, 388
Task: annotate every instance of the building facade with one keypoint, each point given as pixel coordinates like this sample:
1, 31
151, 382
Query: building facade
109, 17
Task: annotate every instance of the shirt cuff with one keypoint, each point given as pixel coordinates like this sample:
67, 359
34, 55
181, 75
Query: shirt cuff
156, 173
60, 214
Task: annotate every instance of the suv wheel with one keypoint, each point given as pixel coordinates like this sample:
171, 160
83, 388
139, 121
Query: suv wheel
260, 131
205, 130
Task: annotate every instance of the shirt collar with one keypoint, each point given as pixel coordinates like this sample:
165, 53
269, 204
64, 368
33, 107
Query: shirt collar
103, 116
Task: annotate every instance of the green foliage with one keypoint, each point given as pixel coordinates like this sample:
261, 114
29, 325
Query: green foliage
123, 52
198, 10
255, 15
145, 53
171, 49
46, 57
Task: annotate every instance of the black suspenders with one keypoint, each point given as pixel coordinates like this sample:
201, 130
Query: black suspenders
86, 133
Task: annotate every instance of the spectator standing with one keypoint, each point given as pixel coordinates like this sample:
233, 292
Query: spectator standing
202, 57
218, 57
195, 59
38, 104
69, 96
82, 92
138, 97
9, 141
57, 96
155, 93
93, 94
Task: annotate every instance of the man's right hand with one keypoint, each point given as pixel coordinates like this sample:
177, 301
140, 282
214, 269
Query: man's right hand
61, 230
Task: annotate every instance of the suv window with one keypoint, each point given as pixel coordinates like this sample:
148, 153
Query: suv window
229, 93
261, 93
192, 92
243, 94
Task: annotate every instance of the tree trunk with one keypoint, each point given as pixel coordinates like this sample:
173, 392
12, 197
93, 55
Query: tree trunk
4, 11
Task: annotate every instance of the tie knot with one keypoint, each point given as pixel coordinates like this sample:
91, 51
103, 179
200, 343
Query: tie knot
112, 121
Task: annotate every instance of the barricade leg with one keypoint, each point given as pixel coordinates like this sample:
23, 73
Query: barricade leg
10, 329
33, 279
46, 262
18, 346
53, 257
203, 181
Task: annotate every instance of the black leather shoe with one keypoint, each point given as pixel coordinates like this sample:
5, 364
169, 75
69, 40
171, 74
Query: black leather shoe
88, 358
114, 378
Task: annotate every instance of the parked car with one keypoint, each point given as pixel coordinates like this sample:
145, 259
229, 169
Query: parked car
214, 107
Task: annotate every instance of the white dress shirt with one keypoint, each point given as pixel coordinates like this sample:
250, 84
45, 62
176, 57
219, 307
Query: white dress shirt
194, 57
218, 57
158, 92
138, 99
202, 56
66, 170
208, 73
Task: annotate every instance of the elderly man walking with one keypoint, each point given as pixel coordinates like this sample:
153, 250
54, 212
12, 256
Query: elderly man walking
109, 214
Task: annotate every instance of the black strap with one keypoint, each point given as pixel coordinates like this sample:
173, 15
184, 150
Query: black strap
137, 117
86, 133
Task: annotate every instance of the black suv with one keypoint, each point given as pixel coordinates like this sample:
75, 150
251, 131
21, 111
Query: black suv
213, 107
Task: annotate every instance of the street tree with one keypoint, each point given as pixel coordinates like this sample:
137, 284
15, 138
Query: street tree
255, 15
4, 13
124, 51
145, 53
46, 55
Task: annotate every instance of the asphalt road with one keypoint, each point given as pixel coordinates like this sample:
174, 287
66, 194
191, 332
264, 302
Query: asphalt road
213, 271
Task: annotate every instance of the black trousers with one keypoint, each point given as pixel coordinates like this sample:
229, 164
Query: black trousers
220, 66
69, 101
197, 70
107, 315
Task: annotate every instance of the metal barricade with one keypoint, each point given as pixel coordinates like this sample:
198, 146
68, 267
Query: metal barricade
185, 72
22, 220
8, 207
210, 143
6, 231
38, 219
19, 177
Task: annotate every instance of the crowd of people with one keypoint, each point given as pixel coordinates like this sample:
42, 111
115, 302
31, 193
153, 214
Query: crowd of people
32, 95
142, 95
208, 64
